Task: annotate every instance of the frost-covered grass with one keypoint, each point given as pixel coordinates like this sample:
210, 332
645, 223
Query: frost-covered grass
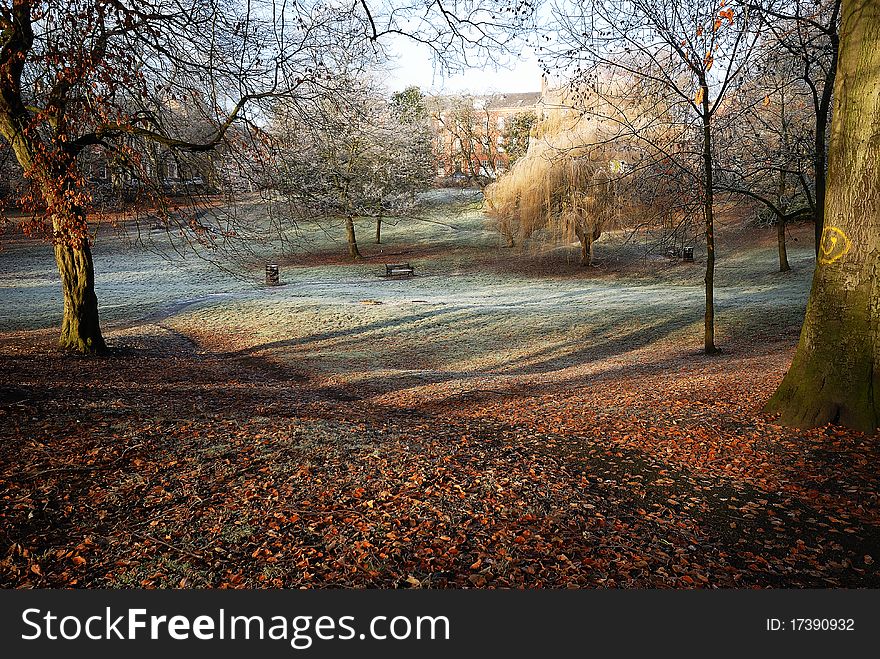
474, 309
132, 282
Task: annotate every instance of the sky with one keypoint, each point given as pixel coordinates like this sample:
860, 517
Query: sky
414, 67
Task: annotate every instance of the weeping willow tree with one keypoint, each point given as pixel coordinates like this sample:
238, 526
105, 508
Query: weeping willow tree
562, 187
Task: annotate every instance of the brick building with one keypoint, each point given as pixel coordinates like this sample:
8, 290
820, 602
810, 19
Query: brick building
472, 132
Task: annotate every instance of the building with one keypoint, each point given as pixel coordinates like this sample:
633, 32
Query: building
473, 132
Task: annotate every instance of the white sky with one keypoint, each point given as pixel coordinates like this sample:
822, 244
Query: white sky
414, 67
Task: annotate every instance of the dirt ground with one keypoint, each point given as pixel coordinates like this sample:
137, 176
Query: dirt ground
504, 418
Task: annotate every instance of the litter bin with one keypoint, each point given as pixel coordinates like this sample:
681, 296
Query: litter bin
273, 277
687, 254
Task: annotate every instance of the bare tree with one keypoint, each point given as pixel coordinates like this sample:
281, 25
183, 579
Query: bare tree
766, 143
687, 54
85, 77
356, 155
412, 149
807, 32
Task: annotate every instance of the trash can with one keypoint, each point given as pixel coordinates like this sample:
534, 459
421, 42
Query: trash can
273, 277
687, 254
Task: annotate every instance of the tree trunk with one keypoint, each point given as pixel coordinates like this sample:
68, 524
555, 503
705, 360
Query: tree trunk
833, 376
80, 329
780, 226
820, 173
586, 249
780, 240
585, 239
379, 230
353, 250
820, 179
708, 208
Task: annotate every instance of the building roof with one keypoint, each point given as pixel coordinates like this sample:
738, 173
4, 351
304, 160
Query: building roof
496, 102
508, 101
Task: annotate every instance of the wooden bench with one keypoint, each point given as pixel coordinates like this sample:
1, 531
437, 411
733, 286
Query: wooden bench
399, 270
684, 253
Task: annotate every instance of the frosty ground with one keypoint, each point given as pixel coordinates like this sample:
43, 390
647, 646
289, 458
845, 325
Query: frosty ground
473, 308
504, 418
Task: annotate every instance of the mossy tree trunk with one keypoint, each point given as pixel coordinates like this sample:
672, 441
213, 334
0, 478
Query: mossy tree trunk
834, 376
820, 176
80, 329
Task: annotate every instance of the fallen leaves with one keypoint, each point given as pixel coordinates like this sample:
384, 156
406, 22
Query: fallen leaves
162, 476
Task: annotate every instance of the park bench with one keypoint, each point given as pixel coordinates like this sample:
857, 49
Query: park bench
399, 270
684, 253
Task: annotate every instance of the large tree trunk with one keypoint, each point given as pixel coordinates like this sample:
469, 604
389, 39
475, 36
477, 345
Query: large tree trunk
708, 211
379, 230
833, 376
80, 330
353, 250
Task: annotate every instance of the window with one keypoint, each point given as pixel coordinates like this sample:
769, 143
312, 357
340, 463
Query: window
500, 123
